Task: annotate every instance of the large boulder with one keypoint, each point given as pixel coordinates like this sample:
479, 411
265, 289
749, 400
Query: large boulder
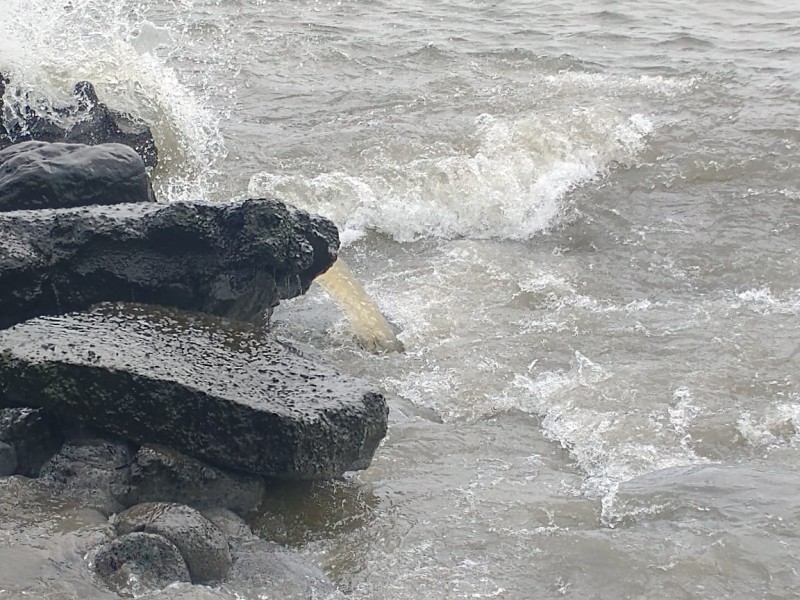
235, 259
36, 175
224, 392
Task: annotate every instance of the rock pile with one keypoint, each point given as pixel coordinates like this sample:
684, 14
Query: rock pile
137, 377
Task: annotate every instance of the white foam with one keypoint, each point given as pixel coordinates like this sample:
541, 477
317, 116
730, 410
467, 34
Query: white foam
610, 446
611, 85
777, 426
512, 185
763, 301
48, 46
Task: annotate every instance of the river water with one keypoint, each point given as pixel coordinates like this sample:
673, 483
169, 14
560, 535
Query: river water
584, 219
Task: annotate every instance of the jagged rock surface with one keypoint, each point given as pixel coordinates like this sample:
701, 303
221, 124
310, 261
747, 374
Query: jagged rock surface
35, 175
223, 392
236, 259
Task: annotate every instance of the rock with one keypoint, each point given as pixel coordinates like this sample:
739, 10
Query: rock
95, 470
140, 562
35, 435
4, 139
268, 570
36, 175
224, 392
201, 543
234, 259
159, 474
8, 459
93, 123
101, 125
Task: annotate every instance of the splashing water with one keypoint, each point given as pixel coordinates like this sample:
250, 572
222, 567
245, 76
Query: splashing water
46, 47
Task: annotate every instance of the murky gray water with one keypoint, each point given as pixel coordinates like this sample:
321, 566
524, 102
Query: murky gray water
585, 219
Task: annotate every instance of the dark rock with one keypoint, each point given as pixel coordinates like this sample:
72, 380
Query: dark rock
224, 392
140, 562
266, 569
35, 435
37, 127
94, 470
92, 123
101, 125
159, 474
35, 175
8, 459
4, 139
202, 545
234, 259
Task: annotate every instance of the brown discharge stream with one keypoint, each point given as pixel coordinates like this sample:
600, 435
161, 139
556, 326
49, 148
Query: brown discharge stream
368, 323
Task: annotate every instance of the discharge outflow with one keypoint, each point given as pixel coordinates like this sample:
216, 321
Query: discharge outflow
366, 320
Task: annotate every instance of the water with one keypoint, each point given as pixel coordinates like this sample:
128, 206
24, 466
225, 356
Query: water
584, 218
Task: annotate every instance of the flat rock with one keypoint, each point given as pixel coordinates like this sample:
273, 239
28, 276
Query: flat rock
159, 474
236, 259
202, 545
221, 391
36, 175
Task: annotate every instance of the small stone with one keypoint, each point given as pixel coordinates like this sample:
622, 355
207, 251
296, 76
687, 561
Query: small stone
140, 562
202, 545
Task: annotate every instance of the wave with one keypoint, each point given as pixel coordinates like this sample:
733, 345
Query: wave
510, 184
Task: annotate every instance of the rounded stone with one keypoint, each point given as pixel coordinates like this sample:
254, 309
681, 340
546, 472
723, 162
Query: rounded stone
139, 562
202, 545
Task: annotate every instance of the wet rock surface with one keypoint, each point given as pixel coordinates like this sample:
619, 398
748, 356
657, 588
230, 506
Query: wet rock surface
140, 562
86, 121
98, 124
202, 545
158, 474
94, 470
220, 391
35, 175
8, 459
34, 434
4, 139
236, 259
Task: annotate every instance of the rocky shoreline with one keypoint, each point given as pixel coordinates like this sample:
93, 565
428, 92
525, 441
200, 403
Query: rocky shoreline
144, 404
